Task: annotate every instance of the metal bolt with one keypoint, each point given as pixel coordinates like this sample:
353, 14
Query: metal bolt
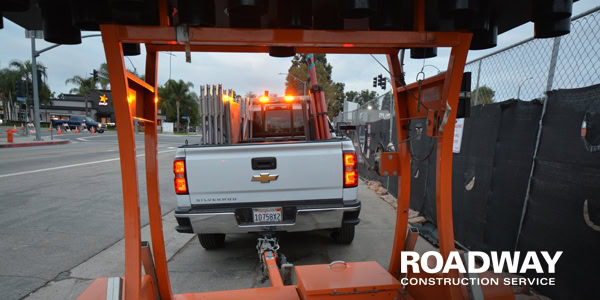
395, 173
385, 173
390, 157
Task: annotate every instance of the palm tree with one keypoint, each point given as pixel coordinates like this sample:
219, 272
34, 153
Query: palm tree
103, 79
174, 94
86, 86
8, 78
25, 71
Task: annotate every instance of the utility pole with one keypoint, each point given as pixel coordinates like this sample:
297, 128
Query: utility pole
36, 94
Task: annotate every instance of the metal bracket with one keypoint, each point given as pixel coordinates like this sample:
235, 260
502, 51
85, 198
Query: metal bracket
183, 36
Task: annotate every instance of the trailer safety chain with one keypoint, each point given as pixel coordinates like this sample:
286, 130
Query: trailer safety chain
264, 244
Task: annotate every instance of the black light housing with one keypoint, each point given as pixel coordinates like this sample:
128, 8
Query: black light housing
358, 9
325, 15
247, 8
57, 24
196, 12
1, 21
129, 5
421, 53
294, 14
485, 32
87, 15
392, 15
552, 28
280, 51
14, 5
131, 49
464, 5
551, 10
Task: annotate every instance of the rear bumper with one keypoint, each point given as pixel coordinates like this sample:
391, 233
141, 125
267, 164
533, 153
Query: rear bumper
238, 220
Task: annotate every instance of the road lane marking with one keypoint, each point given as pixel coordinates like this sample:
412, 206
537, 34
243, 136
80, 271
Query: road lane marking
74, 165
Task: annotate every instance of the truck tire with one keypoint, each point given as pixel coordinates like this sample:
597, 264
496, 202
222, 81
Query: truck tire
344, 235
212, 240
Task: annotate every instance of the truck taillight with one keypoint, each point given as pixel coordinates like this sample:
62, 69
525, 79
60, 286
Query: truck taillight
350, 169
180, 177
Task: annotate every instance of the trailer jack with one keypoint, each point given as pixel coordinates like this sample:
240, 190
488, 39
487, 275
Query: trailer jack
267, 245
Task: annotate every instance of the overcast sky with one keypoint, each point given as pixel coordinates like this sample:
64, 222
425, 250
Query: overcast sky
241, 72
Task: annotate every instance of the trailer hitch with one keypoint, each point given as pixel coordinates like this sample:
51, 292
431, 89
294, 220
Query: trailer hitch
267, 245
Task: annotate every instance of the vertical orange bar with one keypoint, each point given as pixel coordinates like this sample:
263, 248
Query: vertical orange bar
154, 211
163, 13
443, 180
129, 180
401, 109
419, 16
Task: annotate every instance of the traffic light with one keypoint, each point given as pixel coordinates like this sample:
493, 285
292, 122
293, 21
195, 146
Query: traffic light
20, 88
374, 82
95, 74
383, 83
29, 86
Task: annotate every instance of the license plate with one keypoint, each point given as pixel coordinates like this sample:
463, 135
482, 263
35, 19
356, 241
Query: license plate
267, 215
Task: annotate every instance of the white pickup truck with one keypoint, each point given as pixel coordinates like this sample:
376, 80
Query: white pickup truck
276, 184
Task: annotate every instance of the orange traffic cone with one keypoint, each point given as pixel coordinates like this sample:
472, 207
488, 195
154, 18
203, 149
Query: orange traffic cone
77, 130
59, 131
15, 127
93, 131
22, 128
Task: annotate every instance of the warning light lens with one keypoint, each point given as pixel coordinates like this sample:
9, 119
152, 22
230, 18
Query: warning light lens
288, 98
350, 179
155, 99
263, 99
179, 167
227, 98
350, 169
180, 186
349, 160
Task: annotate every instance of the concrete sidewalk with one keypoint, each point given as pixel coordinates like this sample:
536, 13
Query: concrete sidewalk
28, 141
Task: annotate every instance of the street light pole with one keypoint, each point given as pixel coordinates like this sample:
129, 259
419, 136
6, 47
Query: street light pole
34, 71
520, 85
36, 96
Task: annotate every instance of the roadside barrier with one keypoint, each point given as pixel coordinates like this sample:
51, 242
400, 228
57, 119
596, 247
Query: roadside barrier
30, 128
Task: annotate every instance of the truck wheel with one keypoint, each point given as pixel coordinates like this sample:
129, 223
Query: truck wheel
344, 235
212, 240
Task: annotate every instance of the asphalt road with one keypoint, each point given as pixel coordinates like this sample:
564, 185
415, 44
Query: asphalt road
60, 205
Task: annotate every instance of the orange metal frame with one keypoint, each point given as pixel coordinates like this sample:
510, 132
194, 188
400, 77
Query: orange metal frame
136, 99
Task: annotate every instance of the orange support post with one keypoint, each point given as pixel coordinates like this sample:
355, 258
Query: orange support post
127, 153
402, 115
454, 74
154, 211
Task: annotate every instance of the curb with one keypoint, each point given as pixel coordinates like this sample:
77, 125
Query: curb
31, 144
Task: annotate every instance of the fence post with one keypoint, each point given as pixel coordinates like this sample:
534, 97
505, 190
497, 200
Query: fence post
477, 83
553, 59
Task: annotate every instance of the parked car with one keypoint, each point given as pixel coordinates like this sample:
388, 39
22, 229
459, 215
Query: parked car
278, 180
76, 121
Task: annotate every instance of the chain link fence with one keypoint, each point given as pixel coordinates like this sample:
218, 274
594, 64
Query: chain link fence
528, 69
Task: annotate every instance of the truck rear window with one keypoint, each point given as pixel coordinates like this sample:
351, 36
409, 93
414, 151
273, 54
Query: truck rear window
277, 122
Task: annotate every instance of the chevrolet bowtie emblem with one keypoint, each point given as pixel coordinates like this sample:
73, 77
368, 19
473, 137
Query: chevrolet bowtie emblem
265, 177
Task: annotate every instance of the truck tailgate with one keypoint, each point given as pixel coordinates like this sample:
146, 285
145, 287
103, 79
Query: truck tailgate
304, 171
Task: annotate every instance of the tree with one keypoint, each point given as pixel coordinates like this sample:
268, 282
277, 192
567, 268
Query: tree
175, 95
363, 97
103, 78
250, 95
298, 72
86, 86
8, 78
386, 103
485, 96
24, 71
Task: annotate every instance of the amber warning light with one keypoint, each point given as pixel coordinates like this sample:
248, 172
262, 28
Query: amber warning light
350, 170
180, 177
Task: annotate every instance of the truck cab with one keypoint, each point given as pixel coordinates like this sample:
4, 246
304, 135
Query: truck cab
278, 179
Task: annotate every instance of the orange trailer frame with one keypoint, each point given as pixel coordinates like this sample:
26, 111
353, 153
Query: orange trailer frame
136, 99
